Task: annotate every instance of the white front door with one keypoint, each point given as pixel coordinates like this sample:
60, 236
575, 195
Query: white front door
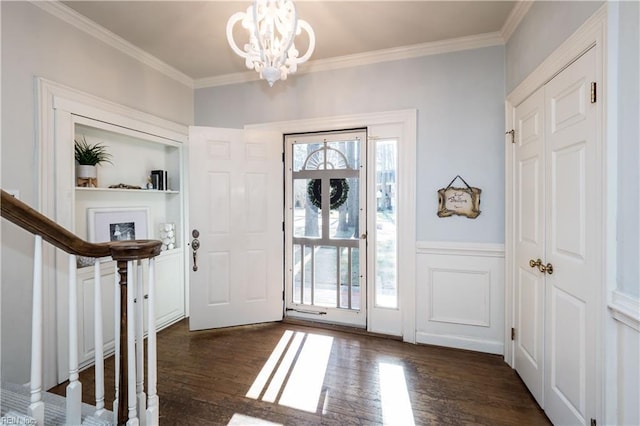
529, 244
326, 221
235, 214
573, 242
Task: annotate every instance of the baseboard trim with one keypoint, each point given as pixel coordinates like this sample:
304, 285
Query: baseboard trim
458, 342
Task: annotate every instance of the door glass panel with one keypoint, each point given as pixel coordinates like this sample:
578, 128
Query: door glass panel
349, 296
386, 235
344, 221
306, 217
326, 222
325, 291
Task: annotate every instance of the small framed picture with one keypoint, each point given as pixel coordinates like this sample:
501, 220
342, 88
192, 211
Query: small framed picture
117, 224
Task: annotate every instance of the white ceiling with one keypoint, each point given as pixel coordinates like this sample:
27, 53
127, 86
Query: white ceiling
190, 35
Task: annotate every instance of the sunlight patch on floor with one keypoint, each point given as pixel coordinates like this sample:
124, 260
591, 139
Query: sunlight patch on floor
305, 383
396, 405
242, 420
294, 373
269, 366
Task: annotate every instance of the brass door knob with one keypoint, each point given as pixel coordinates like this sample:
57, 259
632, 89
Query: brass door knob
548, 268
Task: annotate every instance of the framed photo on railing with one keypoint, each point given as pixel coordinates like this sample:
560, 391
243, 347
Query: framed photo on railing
117, 224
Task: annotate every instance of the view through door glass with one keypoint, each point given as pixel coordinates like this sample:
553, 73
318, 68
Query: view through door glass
327, 220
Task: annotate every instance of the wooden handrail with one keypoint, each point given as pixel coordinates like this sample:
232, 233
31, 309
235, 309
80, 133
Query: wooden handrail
35, 222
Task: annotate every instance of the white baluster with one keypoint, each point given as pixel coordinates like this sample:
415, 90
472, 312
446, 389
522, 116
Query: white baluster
116, 316
141, 396
98, 340
131, 349
74, 389
153, 413
36, 408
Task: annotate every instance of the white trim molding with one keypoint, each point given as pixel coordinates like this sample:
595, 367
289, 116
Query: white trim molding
591, 32
407, 119
70, 16
368, 58
515, 17
626, 309
460, 249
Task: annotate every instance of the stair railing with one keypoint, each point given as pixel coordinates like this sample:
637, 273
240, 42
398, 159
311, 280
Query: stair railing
131, 405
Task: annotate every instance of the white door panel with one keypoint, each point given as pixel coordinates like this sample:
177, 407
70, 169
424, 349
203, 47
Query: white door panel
236, 206
573, 217
529, 245
558, 211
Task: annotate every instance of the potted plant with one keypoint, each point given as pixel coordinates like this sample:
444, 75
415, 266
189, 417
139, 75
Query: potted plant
88, 156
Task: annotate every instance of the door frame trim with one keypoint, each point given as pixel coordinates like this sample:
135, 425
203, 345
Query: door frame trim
592, 34
406, 192
55, 105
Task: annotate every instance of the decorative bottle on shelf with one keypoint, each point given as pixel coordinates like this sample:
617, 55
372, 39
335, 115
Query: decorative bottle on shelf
167, 236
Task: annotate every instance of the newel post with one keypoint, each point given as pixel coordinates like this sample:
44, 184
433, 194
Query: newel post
123, 252
122, 379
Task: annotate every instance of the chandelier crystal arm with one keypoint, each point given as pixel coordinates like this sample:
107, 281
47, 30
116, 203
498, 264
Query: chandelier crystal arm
272, 26
304, 25
238, 16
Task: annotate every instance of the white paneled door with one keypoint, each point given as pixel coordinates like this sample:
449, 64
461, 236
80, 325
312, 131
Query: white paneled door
529, 243
558, 217
573, 216
236, 238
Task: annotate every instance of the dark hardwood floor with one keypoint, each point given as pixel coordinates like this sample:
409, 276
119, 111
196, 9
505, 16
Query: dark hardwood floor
332, 377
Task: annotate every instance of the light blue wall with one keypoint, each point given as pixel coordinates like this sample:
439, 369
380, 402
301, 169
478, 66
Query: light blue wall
37, 44
628, 97
460, 102
543, 29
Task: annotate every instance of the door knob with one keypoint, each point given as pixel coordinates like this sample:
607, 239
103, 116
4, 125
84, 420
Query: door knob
195, 245
548, 268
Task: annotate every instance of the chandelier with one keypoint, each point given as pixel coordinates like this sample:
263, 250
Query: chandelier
272, 26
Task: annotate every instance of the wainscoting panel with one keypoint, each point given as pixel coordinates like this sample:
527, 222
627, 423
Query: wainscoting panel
460, 295
625, 310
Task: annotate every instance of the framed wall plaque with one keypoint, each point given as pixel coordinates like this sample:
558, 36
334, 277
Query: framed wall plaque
459, 201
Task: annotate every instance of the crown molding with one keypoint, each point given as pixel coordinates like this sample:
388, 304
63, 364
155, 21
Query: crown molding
72, 17
368, 58
515, 17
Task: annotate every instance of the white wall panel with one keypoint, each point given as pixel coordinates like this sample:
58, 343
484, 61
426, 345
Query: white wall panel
628, 375
624, 364
460, 295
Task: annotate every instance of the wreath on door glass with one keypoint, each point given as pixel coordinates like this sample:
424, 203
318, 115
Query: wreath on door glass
338, 192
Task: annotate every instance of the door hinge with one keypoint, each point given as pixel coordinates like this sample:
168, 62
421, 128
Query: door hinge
282, 226
513, 333
283, 157
593, 422
593, 92
283, 295
512, 132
